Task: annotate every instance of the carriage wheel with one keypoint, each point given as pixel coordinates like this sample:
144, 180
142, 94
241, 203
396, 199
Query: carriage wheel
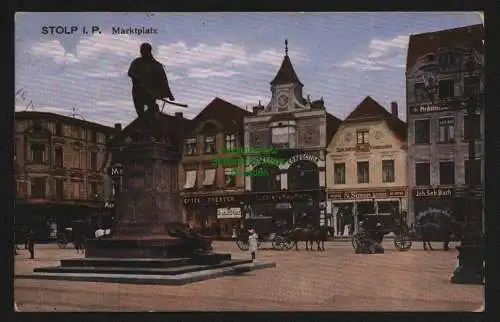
242, 244
356, 243
402, 242
279, 243
288, 244
62, 242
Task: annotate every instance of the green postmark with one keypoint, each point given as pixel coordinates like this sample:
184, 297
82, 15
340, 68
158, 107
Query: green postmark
246, 158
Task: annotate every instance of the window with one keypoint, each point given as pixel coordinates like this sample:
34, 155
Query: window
59, 188
387, 171
472, 127
422, 131
230, 141
93, 191
209, 177
191, 146
476, 172
447, 172
83, 159
37, 153
76, 158
229, 177
93, 160
420, 92
422, 174
339, 173
93, 136
210, 144
59, 161
38, 187
447, 59
283, 137
471, 86
59, 129
362, 137
446, 88
363, 172
446, 129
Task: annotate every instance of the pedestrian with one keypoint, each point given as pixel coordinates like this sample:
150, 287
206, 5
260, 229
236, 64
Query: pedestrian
252, 242
31, 243
78, 241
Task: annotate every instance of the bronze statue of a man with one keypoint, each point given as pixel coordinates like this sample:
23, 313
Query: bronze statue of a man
149, 82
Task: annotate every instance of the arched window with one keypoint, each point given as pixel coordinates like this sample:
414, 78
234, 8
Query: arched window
271, 182
303, 175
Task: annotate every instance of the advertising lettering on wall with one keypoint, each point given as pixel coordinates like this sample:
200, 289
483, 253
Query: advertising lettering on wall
304, 157
420, 109
360, 195
433, 192
228, 213
207, 200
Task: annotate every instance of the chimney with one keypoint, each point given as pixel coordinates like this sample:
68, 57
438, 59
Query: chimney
118, 127
394, 109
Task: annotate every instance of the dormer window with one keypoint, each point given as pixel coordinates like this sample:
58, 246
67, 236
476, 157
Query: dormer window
191, 146
362, 136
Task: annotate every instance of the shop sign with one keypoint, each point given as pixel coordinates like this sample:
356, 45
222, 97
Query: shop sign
115, 170
364, 148
420, 109
208, 200
284, 196
228, 213
360, 195
304, 157
109, 204
433, 192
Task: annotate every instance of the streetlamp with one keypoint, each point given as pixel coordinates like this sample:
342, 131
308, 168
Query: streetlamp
471, 250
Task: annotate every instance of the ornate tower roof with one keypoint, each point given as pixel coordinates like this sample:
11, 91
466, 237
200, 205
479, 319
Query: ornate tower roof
286, 74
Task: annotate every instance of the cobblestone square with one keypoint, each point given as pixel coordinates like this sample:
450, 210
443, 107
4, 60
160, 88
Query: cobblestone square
336, 280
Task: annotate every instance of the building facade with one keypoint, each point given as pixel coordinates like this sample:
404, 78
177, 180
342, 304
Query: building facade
366, 166
211, 172
437, 134
297, 130
59, 168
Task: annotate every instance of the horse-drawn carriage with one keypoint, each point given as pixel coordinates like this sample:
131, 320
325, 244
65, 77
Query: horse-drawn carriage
376, 226
268, 231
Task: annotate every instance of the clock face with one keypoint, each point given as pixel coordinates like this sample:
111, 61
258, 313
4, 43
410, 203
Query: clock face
282, 100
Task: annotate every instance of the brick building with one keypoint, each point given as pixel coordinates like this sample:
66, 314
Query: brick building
59, 168
437, 140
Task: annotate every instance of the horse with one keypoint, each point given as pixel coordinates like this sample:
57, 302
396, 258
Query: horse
441, 229
309, 235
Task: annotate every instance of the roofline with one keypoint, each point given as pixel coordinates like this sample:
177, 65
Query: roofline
429, 33
27, 115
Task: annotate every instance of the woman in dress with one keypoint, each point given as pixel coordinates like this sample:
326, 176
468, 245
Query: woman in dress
252, 242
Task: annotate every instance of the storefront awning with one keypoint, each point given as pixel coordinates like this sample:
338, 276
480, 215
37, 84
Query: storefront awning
190, 179
209, 177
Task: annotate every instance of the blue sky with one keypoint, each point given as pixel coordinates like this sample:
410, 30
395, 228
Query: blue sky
341, 57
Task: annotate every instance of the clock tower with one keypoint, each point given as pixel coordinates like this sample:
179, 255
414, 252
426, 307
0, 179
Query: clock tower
286, 88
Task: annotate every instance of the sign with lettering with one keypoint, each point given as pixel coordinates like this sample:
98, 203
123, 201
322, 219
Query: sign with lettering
304, 157
419, 109
366, 194
364, 148
210, 200
228, 213
115, 170
109, 204
433, 192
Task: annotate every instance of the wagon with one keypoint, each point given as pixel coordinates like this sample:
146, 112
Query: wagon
267, 230
388, 223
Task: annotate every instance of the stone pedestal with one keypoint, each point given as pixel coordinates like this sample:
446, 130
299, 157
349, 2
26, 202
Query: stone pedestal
149, 221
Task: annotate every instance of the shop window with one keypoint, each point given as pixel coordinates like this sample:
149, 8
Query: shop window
446, 129
209, 144
191, 146
422, 174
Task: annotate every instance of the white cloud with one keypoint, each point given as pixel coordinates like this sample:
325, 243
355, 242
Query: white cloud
53, 49
382, 54
209, 72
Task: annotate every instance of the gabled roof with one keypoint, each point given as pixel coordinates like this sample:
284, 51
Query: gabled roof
422, 44
371, 109
228, 115
332, 125
286, 74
